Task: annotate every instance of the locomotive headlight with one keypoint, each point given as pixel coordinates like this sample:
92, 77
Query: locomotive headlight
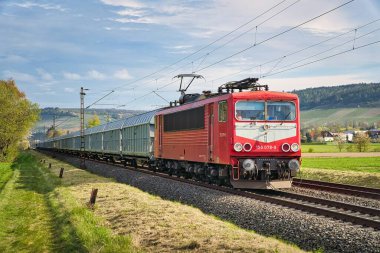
295, 147
238, 147
247, 147
248, 164
285, 147
294, 164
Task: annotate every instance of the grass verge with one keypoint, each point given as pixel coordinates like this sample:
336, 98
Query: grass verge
364, 179
37, 215
6, 172
157, 225
362, 171
354, 164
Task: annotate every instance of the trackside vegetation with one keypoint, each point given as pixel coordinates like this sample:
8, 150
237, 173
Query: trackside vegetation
38, 215
17, 116
41, 213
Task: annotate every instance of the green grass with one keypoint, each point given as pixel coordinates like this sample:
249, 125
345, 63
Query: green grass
37, 214
333, 148
5, 174
362, 171
355, 164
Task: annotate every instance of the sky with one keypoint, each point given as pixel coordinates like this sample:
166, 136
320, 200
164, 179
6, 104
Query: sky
135, 48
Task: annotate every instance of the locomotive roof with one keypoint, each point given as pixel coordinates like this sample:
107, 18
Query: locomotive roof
263, 95
260, 95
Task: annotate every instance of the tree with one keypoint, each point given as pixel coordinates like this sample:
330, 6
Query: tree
340, 143
17, 116
93, 121
361, 142
52, 132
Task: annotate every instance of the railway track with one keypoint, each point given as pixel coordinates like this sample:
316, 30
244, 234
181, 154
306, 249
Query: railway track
372, 193
364, 216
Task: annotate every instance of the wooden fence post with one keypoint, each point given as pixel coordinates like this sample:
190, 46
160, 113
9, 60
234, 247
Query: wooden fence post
61, 173
94, 193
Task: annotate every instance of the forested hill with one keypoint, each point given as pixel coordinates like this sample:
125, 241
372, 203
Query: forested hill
343, 96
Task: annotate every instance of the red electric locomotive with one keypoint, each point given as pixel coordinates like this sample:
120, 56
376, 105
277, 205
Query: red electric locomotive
247, 139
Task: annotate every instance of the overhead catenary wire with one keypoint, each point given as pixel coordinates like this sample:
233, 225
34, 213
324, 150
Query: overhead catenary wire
197, 51
275, 73
330, 49
243, 33
324, 58
274, 36
249, 30
298, 51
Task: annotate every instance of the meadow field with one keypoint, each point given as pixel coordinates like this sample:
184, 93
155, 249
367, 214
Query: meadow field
331, 147
362, 171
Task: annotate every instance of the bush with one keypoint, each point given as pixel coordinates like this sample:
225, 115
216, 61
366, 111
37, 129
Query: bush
311, 150
361, 142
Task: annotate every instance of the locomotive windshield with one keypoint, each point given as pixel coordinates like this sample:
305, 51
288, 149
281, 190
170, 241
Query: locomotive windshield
259, 110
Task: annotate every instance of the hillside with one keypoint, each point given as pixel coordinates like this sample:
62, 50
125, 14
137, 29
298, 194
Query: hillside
341, 116
68, 118
343, 96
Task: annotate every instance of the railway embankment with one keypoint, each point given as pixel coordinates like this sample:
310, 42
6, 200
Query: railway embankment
39, 212
309, 231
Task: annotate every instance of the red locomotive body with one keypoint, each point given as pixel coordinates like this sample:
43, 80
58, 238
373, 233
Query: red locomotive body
246, 139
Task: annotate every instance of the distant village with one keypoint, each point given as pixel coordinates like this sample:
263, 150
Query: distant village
346, 136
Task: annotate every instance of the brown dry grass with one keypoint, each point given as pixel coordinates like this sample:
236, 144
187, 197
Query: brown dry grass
158, 225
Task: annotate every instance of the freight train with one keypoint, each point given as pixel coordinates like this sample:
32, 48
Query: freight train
243, 136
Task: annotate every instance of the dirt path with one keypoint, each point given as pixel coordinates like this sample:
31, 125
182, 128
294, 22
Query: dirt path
361, 154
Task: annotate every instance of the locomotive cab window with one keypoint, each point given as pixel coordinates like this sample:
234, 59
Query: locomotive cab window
260, 110
222, 111
281, 111
250, 110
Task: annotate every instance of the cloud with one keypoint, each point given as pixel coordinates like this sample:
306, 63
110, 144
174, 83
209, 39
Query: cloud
29, 5
131, 12
45, 75
13, 58
122, 74
140, 20
96, 75
124, 3
304, 82
71, 76
18, 76
69, 90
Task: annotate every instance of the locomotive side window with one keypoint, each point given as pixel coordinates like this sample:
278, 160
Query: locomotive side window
185, 120
281, 111
222, 111
250, 110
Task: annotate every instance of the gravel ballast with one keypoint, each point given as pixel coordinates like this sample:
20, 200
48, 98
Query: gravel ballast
308, 231
336, 197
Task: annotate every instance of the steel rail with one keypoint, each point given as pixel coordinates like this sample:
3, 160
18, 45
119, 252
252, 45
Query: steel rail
359, 191
310, 208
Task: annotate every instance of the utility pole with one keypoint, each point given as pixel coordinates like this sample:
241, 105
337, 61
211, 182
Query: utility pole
82, 140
